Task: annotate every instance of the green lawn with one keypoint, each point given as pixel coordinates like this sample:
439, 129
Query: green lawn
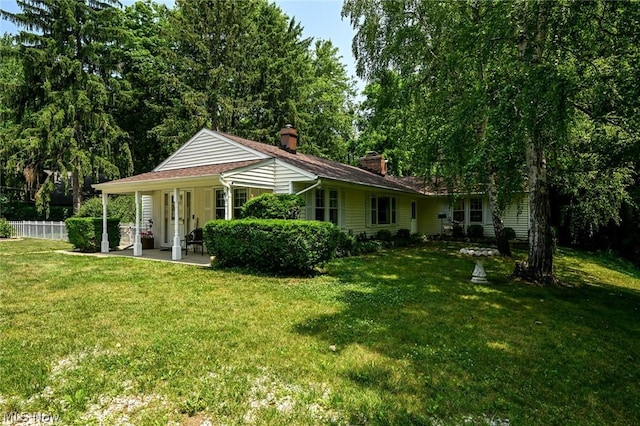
401, 337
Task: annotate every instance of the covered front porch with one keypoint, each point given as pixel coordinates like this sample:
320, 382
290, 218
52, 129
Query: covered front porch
156, 255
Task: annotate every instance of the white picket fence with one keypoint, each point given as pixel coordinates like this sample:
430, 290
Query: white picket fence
43, 229
50, 230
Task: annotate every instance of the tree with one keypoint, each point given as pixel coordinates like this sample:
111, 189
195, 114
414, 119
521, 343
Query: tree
240, 67
64, 107
437, 98
501, 87
11, 77
151, 86
387, 123
326, 106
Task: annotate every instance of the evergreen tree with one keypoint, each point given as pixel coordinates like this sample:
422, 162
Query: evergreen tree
64, 108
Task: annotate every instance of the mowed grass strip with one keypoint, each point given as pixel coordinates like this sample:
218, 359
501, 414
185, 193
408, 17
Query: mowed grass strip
399, 337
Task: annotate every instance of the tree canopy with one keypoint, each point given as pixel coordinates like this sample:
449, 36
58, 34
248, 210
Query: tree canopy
503, 93
93, 89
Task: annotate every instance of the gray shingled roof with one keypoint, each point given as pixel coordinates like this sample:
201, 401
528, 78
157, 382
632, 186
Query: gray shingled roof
324, 168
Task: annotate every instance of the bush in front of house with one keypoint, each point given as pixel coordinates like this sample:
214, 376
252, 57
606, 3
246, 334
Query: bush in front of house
272, 245
475, 231
346, 245
457, 230
273, 206
85, 233
510, 233
6, 230
122, 207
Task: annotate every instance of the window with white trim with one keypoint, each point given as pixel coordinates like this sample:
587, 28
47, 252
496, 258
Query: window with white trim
458, 211
327, 205
382, 210
220, 204
475, 210
239, 198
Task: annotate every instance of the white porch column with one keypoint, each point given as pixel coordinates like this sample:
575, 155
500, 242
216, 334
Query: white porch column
137, 244
228, 199
229, 204
176, 250
104, 244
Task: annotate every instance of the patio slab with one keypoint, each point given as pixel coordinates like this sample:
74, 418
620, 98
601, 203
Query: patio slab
158, 255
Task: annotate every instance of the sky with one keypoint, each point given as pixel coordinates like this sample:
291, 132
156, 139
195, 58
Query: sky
319, 18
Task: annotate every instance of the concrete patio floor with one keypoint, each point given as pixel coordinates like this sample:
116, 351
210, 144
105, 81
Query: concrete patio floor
158, 255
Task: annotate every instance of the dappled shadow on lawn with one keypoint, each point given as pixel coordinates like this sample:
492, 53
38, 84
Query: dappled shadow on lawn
436, 346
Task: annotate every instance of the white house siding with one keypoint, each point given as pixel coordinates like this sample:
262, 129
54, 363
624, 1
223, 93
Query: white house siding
428, 210
356, 212
206, 148
261, 176
516, 217
147, 211
283, 178
429, 224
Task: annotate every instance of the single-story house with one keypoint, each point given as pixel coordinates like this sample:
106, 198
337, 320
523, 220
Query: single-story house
213, 174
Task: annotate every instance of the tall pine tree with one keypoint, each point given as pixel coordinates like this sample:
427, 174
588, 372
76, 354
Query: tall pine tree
63, 110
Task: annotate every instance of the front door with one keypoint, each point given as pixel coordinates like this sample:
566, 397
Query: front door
185, 215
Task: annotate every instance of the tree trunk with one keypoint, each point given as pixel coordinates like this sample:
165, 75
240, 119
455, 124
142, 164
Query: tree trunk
497, 216
539, 266
76, 188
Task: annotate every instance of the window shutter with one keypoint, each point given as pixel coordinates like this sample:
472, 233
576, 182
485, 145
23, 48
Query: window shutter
367, 208
343, 210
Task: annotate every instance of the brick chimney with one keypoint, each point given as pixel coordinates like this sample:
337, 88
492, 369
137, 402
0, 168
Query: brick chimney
374, 162
289, 139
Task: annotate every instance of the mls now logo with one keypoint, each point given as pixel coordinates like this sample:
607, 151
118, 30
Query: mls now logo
30, 418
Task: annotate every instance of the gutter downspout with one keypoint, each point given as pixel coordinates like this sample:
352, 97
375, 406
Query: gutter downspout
309, 188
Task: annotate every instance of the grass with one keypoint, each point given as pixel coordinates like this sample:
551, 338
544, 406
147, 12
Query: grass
400, 337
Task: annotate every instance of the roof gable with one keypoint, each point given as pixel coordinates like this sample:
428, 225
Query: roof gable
324, 168
209, 148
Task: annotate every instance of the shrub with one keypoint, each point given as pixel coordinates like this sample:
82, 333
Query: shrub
273, 206
122, 208
362, 236
403, 234
510, 233
384, 235
85, 233
457, 230
272, 245
368, 246
346, 245
475, 231
6, 230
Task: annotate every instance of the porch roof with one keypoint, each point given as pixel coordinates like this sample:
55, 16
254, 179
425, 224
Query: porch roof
172, 175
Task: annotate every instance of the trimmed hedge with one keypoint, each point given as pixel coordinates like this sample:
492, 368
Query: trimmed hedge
85, 233
6, 230
273, 206
272, 245
475, 231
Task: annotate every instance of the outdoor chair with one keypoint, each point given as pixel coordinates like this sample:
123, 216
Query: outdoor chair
194, 238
